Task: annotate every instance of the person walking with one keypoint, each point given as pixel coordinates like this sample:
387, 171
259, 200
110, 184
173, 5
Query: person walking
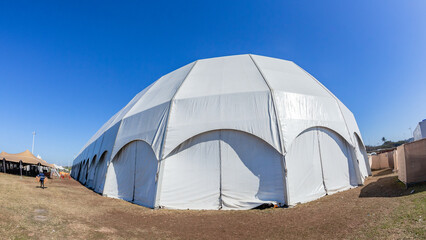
41, 178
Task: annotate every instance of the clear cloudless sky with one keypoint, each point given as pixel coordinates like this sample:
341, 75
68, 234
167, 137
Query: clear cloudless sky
67, 66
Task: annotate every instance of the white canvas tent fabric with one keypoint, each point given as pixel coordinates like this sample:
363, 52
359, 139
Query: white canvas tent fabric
226, 133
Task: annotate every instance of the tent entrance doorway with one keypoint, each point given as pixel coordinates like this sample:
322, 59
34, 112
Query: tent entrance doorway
319, 162
222, 169
131, 174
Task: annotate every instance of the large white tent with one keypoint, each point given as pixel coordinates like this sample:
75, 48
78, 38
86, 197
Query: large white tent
231, 132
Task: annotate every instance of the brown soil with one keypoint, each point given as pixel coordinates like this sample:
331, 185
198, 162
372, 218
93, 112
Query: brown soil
382, 209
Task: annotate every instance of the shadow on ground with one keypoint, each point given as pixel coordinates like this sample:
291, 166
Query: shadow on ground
390, 187
383, 172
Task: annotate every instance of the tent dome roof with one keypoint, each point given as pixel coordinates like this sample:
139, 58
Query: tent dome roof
270, 98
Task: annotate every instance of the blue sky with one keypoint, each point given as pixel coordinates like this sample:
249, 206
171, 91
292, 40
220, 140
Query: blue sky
67, 66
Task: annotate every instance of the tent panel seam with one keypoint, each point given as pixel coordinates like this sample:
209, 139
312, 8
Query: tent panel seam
163, 142
280, 135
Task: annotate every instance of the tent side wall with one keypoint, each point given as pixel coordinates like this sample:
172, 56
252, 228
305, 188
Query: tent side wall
100, 147
362, 156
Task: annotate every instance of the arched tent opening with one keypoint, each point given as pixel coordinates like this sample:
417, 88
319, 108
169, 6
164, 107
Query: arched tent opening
91, 172
100, 171
361, 154
86, 171
72, 171
222, 169
82, 178
78, 171
131, 174
319, 162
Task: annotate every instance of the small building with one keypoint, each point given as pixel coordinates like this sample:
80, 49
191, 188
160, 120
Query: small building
411, 160
383, 159
420, 131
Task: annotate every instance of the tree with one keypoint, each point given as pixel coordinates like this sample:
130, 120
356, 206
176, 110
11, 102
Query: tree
383, 139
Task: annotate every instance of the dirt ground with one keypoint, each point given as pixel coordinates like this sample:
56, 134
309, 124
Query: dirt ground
382, 209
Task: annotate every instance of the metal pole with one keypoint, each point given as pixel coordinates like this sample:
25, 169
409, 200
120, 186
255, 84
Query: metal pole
4, 165
32, 150
20, 167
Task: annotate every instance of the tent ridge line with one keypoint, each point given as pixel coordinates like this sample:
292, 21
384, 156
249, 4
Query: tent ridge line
273, 103
283, 162
170, 110
163, 142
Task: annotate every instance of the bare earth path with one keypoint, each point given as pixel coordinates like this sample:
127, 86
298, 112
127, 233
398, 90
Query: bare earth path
382, 209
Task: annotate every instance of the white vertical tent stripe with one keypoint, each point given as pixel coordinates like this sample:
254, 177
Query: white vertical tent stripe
280, 134
159, 175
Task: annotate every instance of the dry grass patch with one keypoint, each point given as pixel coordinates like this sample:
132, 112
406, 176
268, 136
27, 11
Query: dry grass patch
382, 209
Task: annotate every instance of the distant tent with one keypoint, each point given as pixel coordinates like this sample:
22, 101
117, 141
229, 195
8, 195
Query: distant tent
420, 131
227, 133
24, 163
26, 157
58, 167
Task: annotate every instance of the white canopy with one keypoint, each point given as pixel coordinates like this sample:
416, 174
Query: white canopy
227, 133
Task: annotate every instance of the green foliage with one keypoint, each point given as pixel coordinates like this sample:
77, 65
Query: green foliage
386, 144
